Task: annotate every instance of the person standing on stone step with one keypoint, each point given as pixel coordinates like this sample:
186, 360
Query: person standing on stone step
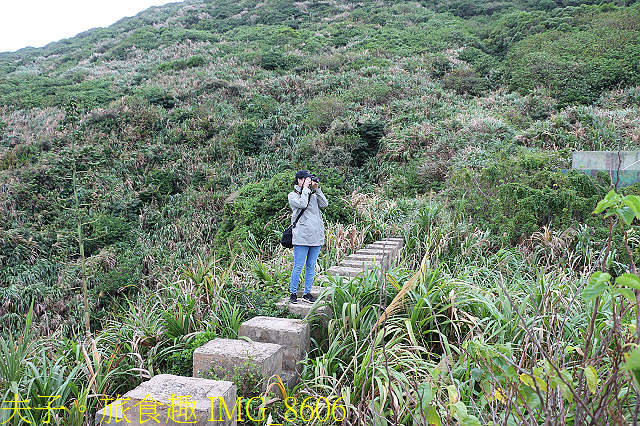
308, 232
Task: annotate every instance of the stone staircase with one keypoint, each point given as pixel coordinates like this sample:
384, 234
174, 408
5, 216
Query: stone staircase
266, 346
379, 256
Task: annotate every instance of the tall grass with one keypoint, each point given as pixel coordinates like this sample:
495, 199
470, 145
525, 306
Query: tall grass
478, 334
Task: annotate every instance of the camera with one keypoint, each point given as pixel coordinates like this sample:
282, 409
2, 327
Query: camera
315, 178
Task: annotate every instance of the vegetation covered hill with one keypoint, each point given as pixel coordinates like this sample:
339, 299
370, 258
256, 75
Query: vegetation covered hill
143, 130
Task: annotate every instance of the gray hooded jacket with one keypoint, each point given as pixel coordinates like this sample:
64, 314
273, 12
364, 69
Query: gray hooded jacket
310, 229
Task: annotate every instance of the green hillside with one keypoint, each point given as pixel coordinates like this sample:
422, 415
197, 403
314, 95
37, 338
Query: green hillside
172, 138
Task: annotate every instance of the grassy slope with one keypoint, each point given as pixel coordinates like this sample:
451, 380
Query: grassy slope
186, 103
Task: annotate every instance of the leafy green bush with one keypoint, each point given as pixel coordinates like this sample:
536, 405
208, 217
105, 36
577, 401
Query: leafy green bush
159, 183
250, 137
578, 65
181, 64
323, 110
515, 197
259, 106
117, 274
262, 209
107, 230
464, 81
158, 96
273, 59
369, 92
180, 362
28, 91
411, 179
368, 144
483, 63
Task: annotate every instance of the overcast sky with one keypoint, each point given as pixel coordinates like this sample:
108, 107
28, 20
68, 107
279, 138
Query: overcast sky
39, 22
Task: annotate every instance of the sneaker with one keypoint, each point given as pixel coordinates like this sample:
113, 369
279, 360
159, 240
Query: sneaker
293, 298
308, 298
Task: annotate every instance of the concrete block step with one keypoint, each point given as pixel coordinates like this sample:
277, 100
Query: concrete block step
376, 252
389, 243
291, 334
222, 359
316, 290
385, 247
343, 271
352, 263
365, 257
290, 378
158, 400
384, 258
302, 309
398, 240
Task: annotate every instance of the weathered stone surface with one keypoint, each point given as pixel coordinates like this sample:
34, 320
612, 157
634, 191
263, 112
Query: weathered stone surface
385, 257
363, 257
390, 253
387, 243
376, 251
315, 291
393, 250
382, 246
343, 271
291, 334
222, 359
399, 240
302, 309
290, 378
169, 400
352, 263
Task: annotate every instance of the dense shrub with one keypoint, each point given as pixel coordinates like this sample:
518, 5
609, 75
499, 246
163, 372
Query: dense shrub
368, 143
464, 81
483, 63
515, 197
107, 230
323, 110
181, 64
158, 96
250, 137
578, 65
262, 210
158, 184
259, 106
273, 59
28, 91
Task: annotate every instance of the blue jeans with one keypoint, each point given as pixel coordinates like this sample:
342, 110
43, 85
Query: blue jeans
302, 255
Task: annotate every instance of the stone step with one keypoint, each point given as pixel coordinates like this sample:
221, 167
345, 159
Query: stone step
383, 259
385, 247
290, 378
394, 246
352, 263
364, 257
291, 334
315, 290
222, 359
166, 399
302, 309
399, 240
343, 271
386, 257
376, 252
389, 243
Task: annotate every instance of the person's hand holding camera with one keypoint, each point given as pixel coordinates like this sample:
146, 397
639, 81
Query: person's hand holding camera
307, 183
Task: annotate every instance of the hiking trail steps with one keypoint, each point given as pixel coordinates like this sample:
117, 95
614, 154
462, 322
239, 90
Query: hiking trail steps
267, 346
